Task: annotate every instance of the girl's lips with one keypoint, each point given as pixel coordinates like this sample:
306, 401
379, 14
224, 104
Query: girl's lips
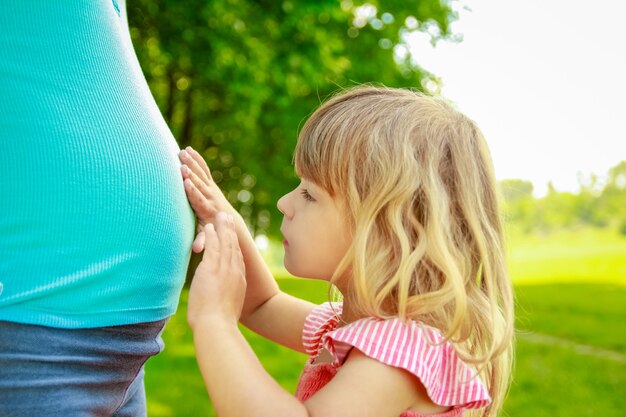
285, 242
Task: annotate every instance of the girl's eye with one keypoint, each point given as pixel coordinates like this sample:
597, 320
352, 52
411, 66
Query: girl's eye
306, 195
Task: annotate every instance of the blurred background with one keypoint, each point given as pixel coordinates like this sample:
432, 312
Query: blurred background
237, 78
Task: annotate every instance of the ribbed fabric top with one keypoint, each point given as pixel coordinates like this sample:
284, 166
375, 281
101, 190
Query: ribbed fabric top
95, 228
411, 346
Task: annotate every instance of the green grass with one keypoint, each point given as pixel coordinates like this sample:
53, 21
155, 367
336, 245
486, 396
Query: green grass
555, 381
588, 255
571, 337
593, 314
570, 351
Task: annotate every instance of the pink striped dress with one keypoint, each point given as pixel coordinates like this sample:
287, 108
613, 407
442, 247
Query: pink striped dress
411, 346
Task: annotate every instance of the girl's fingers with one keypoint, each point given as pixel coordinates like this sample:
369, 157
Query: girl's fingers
187, 158
199, 242
200, 161
237, 258
199, 202
233, 243
224, 232
231, 252
211, 245
195, 197
200, 184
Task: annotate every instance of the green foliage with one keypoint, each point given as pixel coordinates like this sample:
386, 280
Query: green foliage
514, 190
518, 199
236, 78
612, 202
596, 204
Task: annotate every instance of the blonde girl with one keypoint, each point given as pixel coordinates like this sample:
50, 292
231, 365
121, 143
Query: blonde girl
397, 208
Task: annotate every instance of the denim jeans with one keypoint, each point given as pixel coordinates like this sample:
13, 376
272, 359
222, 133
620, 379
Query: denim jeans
54, 372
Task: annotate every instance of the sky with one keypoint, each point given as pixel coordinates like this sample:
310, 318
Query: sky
544, 79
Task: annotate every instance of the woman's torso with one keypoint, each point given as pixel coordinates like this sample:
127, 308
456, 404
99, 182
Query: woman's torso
95, 229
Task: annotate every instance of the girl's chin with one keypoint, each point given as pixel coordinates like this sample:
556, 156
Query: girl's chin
288, 266
298, 273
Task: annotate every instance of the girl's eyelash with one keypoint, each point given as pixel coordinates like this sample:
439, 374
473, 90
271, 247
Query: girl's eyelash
306, 195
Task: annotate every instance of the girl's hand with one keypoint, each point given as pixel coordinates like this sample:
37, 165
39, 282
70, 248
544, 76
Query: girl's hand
204, 195
219, 283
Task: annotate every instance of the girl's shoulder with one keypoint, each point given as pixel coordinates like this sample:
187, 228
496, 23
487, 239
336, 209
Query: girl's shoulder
322, 319
415, 347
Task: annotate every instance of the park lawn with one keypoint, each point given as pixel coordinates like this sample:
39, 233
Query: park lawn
586, 255
570, 350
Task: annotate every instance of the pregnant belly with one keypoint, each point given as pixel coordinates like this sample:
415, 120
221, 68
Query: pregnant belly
107, 227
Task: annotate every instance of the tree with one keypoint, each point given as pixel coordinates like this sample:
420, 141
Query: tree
236, 78
613, 198
598, 203
519, 205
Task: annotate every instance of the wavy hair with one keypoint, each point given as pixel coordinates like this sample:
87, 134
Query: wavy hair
420, 195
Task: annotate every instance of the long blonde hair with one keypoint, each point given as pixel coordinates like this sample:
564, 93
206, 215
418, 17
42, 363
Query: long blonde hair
420, 194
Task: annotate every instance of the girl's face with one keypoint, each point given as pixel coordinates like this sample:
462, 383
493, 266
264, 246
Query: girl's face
315, 230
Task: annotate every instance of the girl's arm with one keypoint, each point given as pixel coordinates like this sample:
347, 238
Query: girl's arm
236, 381
266, 310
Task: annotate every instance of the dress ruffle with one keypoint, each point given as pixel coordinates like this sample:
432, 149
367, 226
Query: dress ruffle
412, 346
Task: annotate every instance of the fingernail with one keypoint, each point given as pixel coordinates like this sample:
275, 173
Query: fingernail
184, 154
222, 216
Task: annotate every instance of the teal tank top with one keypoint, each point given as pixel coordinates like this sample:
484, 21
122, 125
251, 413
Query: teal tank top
95, 228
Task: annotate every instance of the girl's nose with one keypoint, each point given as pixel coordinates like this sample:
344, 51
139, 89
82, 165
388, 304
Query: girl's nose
283, 206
